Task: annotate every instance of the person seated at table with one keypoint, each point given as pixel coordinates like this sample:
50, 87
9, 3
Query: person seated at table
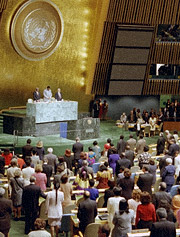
103, 175
82, 179
39, 231
94, 192
123, 118
130, 117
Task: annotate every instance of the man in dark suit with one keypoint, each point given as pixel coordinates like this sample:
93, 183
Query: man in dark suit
27, 149
160, 144
121, 145
36, 95
129, 154
161, 195
123, 162
2, 164
77, 149
145, 180
5, 213
87, 211
163, 227
48, 170
58, 95
30, 203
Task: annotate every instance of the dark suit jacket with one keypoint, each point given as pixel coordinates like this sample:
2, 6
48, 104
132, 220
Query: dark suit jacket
130, 156
57, 97
122, 163
5, 212
2, 164
161, 195
160, 145
127, 185
30, 197
121, 145
163, 228
26, 150
77, 149
87, 211
36, 96
47, 169
145, 182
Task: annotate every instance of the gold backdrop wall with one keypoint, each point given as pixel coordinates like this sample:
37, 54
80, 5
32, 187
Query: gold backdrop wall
67, 68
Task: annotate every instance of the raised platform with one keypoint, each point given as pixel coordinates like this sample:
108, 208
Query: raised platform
171, 125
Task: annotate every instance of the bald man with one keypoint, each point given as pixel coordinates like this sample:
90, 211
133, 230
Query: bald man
87, 211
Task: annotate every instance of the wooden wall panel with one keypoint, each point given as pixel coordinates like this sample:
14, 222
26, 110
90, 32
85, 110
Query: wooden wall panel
147, 13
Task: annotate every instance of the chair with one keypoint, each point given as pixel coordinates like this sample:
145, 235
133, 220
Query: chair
67, 210
42, 211
95, 167
100, 202
147, 131
173, 190
2, 235
66, 223
92, 230
80, 200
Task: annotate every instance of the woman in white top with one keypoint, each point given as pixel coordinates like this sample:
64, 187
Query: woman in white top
113, 205
177, 162
134, 201
54, 212
27, 172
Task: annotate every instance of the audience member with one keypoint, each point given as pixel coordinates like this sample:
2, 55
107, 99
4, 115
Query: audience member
145, 180
27, 172
82, 179
47, 169
35, 158
177, 162
144, 157
127, 184
113, 158
87, 211
5, 213
160, 144
7, 156
66, 188
30, 203
107, 146
69, 159
109, 192
113, 205
2, 164
161, 195
85, 166
140, 144
40, 150
77, 148
163, 227
97, 150
94, 193
173, 147
162, 162
41, 178
52, 159
103, 175
146, 213
27, 149
121, 145
91, 156
123, 220
39, 231
17, 184
123, 162
168, 174
134, 202
170, 215
152, 167
129, 154
54, 211
176, 202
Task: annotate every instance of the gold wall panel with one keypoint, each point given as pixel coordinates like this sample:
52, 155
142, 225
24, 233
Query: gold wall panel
67, 68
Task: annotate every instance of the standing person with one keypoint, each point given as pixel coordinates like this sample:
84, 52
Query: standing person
11, 171
36, 95
131, 142
41, 178
107, 146
69, 159
113, 158
2, 164
5, 212
144, 157
104, 110
97, 150
168, 174
7, 156
54, 209
161, 195
140, 144
152, 167
163, 227
52, 159
100, 109
87, 211
123, 220
47, 94
121, 145
47, 169
77, 148
27, 149
96, 109
27, 172
177, 162
94, 192
17, 184
146, 213
109, 192
40, 150
58, 95
129, 154
145, 180
91, 156
67, 189
34, 158
161, 144
30, 203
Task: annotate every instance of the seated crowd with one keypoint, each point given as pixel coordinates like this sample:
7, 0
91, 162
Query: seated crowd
126, 175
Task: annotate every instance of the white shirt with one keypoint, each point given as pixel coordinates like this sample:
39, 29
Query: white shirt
47, 95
